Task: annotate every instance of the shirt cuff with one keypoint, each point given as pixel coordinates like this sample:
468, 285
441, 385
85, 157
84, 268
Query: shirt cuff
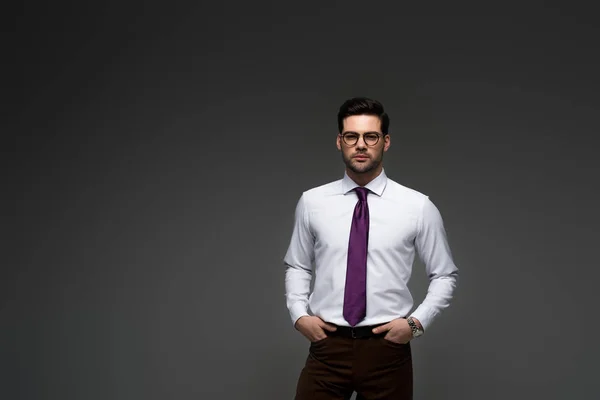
425, 315
297, 310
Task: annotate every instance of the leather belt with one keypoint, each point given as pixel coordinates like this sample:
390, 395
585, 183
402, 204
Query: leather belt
357, 332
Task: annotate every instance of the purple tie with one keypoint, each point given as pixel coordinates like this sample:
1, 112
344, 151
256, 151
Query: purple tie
355, 295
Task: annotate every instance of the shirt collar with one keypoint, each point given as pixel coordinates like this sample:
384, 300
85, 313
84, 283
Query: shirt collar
376, 186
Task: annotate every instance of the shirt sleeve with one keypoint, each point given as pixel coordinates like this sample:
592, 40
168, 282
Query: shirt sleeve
298, 262
432, 247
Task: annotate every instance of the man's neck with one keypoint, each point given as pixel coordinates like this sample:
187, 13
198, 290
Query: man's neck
364, 179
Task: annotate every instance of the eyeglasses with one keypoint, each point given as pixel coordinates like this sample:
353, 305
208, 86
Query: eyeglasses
370, 138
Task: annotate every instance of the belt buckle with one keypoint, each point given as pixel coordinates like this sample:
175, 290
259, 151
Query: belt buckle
352, 333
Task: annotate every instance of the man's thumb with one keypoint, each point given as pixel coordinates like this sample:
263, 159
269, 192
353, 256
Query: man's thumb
382, 328
329, 327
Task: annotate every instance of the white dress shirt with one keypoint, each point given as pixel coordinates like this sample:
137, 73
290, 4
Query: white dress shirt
403, 222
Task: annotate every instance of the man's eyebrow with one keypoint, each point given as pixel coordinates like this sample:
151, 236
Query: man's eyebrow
357, 132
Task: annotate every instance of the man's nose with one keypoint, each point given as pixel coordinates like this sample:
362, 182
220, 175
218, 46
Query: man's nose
360, 143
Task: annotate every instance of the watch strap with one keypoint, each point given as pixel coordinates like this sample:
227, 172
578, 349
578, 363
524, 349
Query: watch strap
416, 331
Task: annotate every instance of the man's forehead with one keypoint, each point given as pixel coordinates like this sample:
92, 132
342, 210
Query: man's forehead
362, 123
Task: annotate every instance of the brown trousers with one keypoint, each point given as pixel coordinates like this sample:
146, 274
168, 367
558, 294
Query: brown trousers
375, 368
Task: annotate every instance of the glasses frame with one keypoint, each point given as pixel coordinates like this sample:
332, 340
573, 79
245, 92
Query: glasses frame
343, 136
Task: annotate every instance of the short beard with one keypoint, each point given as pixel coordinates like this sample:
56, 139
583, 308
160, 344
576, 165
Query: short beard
362, 168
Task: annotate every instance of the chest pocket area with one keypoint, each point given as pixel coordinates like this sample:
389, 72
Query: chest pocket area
395, 233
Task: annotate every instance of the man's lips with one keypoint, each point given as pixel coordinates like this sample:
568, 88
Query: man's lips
361, 157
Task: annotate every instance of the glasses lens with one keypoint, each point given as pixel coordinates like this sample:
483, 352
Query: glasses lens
350, 138
371, 138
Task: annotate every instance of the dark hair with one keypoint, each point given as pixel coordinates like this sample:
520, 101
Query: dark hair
363, 106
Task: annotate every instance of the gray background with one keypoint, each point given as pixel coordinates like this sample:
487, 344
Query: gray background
153, 155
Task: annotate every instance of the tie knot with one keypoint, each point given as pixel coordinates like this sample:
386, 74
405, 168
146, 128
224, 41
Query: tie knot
362, 192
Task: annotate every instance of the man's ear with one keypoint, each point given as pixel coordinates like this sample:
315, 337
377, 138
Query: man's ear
388, 142
338, 142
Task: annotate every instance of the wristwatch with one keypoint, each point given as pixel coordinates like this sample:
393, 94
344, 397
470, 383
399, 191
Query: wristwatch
416, 331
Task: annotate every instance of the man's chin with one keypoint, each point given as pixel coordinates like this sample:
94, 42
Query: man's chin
360, 168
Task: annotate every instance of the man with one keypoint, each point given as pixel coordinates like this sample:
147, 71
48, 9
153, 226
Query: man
358, 237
